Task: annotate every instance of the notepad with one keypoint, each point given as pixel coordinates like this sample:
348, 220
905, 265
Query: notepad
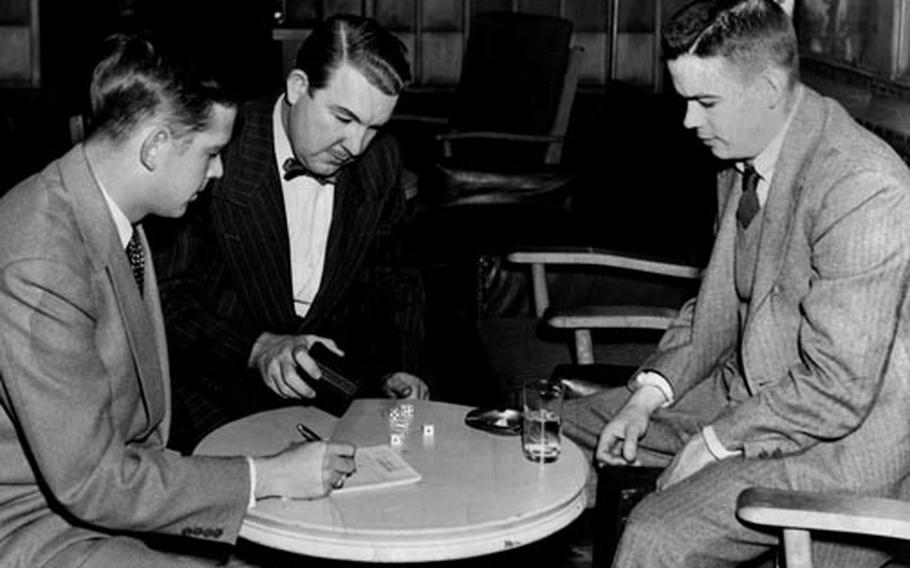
379, 467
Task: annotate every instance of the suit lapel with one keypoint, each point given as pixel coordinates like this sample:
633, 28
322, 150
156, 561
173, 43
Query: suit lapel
100, 234
717, 299
783, 195
156, 319
248, 212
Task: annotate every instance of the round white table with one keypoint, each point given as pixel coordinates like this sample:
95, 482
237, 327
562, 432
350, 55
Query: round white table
478, 493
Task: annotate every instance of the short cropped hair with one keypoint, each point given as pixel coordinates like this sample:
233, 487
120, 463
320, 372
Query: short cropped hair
141, 77
360, 42
751, 34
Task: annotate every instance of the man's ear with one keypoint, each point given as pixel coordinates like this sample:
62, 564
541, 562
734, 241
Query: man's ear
296, 86
153, 145
775, 85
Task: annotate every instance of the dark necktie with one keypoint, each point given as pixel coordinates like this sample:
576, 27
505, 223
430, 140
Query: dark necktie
136, 257
748, 203
293, 168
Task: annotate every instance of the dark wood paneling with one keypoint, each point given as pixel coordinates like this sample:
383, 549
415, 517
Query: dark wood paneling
588, 15
545, 7
15, 12
395, 14
443, 15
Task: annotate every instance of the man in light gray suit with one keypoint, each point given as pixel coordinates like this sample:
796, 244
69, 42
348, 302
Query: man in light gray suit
791, 367
84, 404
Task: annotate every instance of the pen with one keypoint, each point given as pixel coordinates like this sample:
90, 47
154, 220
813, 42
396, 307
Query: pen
308, 434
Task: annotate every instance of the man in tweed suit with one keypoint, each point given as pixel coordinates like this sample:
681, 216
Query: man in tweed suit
84, 394
298, 243
790, 368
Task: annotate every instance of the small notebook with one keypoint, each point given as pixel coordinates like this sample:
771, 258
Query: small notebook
379, 467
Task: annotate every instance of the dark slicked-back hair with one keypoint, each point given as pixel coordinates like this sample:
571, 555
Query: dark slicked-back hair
751, 34
360, 42
141, 77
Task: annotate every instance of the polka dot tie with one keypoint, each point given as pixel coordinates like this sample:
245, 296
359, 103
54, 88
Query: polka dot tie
136, 256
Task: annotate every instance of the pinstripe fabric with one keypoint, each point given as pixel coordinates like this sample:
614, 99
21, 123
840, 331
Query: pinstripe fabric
226, 278
815, 389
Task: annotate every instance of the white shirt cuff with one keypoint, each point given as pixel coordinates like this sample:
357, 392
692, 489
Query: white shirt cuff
655, 379
252, 466
714, 446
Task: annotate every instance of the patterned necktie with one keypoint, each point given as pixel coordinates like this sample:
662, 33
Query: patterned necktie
136, 256
748, 203
293, 168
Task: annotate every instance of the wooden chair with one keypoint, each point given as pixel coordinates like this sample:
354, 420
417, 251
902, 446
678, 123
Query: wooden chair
585, 376
799, 513
581, 320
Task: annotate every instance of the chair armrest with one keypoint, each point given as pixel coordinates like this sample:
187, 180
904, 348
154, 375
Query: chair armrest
612, 317
827, 512
600, 257
540, 257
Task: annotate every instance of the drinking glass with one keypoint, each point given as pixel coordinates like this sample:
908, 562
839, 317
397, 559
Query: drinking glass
542, 420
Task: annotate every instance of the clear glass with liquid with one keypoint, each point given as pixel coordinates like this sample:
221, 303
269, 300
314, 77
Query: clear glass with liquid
542, 420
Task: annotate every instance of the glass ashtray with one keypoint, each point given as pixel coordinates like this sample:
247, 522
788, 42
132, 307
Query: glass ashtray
502, 421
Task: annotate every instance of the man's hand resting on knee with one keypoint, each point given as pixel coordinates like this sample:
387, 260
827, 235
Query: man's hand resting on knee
618, 443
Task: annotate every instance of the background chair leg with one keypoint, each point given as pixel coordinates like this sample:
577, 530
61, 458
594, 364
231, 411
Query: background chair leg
797, 548
584, 347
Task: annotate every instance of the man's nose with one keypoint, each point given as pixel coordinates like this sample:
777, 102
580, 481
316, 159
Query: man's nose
694, 117
216, 168
355, 140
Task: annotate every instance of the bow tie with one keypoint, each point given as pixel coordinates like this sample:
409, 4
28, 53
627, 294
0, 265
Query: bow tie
293, 168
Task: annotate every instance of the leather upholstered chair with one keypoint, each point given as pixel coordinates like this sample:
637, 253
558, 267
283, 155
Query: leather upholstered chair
504, 138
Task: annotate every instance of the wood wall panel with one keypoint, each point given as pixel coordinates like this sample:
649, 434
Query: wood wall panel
15, 53
15, 12
441, 58
588, 15
395, 14
545, 7
593, 64
491, 5
635, 64
333, 7
302, 12
443, 15
436, 42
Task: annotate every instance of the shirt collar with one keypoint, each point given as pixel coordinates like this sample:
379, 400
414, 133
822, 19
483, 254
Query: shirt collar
282, 144
121, 221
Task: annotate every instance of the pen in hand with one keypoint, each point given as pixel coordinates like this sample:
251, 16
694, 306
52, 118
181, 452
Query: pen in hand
308, 434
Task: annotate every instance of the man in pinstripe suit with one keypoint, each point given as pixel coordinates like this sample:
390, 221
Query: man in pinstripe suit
298, 243
791, 367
